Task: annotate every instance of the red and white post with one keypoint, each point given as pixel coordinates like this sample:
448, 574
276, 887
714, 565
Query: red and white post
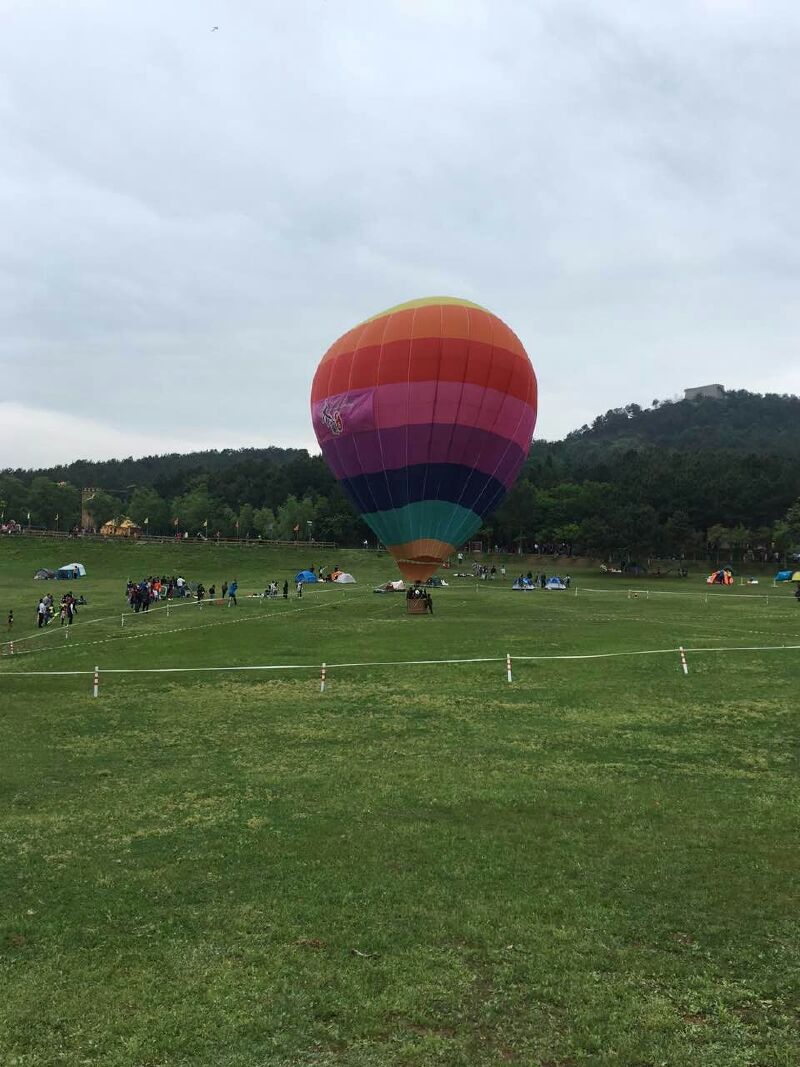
684, 664
322, 679
96, 685
508, 667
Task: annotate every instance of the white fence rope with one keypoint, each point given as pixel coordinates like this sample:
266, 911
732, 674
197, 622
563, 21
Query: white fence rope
178, 602
9, 649
405, 662
189, 601
708, 596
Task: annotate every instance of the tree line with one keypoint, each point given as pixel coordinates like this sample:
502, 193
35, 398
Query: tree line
609, 495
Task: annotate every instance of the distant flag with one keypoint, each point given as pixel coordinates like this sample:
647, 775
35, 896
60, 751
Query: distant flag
56, 516
29, 516
147, 521
297, 528
175, 522
205, 525
236, 524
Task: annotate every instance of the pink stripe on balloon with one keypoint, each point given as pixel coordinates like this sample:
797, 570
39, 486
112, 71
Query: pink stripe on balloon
421, 403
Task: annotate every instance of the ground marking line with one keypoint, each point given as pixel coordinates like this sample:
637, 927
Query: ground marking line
130, 614
175, 603
404, 662
73, 645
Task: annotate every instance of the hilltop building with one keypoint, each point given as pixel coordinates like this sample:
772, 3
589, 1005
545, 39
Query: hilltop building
714, 392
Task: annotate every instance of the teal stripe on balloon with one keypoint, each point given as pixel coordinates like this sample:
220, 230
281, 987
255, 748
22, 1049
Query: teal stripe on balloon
438, 519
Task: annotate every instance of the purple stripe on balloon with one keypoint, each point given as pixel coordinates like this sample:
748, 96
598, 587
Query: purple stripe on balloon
374, 450
424, 403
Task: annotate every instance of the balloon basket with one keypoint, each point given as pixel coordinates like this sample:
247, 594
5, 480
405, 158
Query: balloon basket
417, 606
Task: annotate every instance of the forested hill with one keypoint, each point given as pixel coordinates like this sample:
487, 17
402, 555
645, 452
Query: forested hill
739, 421
717, 477
170, 472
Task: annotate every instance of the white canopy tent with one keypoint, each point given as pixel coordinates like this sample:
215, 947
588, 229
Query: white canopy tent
72, 570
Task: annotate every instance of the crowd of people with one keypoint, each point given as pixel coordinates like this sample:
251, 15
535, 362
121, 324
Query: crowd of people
46, 610
483, 572
272, 589
140, 595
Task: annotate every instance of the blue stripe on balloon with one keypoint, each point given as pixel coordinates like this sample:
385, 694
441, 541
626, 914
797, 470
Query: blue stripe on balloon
452, 482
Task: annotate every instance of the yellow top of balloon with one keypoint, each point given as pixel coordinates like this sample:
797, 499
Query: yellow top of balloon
425, 301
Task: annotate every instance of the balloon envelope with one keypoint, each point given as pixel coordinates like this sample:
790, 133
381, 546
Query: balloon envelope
425, 415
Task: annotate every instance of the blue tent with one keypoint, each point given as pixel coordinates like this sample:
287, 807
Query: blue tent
555, 583
305, 576
783, 576
70, 571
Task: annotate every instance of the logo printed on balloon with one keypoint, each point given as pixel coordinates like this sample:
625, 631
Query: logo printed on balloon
332, 419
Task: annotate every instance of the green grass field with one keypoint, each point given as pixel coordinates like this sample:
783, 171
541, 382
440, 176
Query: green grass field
597, 864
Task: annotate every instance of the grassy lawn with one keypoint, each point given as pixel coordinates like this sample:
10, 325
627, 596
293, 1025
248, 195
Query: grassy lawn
596, 864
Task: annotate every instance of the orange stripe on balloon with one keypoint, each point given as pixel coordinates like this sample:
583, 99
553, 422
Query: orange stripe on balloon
435, 320
423, 550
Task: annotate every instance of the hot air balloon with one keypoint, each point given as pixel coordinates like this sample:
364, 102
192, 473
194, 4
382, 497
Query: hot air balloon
425, 415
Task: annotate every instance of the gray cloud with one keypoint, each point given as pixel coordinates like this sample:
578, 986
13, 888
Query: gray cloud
190, 218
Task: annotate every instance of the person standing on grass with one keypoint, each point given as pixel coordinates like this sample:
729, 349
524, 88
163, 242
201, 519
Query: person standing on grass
299, 590
41, 612
286, 589
10, 619
224, 590
232, 593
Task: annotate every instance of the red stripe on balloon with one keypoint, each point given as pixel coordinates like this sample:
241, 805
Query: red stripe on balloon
432, 358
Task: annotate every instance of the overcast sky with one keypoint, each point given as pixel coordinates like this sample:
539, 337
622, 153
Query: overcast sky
190, 217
